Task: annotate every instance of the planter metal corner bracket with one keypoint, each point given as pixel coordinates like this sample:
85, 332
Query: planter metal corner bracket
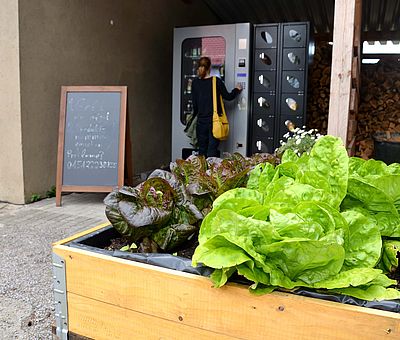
60, 297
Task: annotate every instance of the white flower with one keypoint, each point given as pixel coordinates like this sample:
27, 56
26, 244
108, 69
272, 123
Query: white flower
297, 137
296, 129
286, 135
298, 141
295, 151
304, 126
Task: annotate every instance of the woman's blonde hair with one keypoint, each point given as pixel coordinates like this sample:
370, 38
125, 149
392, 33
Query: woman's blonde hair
204, 67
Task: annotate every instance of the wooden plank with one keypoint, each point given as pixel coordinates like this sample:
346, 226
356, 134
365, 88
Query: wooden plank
99, 320
231, 310
342, 58
83, 233
351, 148
357, 26
76, 188
352, 129
60, 150
355, 73
353, 101
122, 133
356, 67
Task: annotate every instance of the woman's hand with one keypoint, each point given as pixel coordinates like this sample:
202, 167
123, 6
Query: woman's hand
239, 87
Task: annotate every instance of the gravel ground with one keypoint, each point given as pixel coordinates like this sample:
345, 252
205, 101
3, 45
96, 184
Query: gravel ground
26, 235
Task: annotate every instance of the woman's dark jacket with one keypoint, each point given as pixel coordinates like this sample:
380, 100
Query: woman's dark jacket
202, 97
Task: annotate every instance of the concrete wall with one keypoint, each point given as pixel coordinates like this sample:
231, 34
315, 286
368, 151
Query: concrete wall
11, 176
98, 42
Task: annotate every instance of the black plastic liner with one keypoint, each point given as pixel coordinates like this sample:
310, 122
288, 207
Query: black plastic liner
96, 241
100, 239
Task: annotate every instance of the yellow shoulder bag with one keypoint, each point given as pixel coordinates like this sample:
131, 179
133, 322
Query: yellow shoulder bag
220, 126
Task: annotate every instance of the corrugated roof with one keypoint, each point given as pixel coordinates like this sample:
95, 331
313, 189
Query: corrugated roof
381, 18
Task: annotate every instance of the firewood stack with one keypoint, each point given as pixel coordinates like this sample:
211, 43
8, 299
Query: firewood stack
379, 110
318, 87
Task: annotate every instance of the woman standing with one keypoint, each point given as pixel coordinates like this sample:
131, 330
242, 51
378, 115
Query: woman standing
203, 106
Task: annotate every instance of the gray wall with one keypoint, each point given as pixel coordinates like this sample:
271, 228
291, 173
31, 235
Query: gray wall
11, 176
73, 42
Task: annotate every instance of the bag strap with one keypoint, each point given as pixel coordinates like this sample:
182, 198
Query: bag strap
215, 107
222, 106
214, 89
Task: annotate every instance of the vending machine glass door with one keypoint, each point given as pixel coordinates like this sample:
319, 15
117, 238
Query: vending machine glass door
192, 50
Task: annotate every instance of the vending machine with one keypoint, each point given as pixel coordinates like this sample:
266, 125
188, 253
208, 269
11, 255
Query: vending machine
228, 47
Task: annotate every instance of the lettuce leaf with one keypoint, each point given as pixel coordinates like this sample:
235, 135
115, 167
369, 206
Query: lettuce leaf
313, 221
329, 162
370, 293
352, 277
365, 243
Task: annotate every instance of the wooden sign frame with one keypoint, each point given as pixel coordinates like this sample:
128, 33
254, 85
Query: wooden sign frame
60, 187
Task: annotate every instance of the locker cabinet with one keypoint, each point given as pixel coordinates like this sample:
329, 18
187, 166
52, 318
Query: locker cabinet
279, 79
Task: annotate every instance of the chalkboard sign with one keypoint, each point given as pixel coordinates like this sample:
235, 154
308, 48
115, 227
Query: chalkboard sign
91, 141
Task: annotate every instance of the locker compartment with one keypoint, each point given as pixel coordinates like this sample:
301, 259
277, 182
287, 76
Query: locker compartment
295, 35
292, 81
282, 128
265, 59
267, 36
294, 58
264, 81
261, 145
263, 126
264, 104
292, 103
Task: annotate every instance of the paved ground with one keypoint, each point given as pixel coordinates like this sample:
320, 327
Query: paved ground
26, 235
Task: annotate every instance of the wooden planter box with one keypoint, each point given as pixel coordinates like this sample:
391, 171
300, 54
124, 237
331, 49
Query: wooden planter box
112, 298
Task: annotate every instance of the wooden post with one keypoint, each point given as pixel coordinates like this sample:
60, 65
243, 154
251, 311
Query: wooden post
357, 26
342, 60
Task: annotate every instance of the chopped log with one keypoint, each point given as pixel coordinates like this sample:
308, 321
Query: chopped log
318, 92
379, 107
379, 110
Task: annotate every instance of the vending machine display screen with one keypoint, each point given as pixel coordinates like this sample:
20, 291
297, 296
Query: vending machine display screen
192, 50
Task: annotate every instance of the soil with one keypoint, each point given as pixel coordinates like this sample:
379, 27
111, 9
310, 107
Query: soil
395, 276
118, 243
186, 251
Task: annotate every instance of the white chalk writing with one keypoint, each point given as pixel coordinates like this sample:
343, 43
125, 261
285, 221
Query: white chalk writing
77, 164
91, 128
